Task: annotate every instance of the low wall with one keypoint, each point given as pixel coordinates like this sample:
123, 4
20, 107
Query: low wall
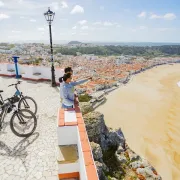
30, 72
71, 130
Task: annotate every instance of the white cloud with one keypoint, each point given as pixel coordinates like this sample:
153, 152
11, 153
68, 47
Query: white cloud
84, 34
142, 27
92, 28
77, 9
13, 37
108, 24
62, 33
73, 33
118, 26
161, 29
41, 29
63, 19
115, 24
82, 22
22, 17
168, 16
32, 20
1, 4
127, 10
154, 16
15, 31
55, 5
164, 29
75, 27
3, 16
64, 5
98, 23
133, 30
84, 27
101, 8
142, 14
20, 1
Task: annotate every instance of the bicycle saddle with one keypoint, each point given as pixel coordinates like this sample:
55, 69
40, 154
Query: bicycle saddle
1, 91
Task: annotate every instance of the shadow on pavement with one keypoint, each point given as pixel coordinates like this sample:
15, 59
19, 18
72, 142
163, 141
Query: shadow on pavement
19, 150
4, 125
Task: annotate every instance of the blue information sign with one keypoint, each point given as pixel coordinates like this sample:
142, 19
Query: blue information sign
15, 59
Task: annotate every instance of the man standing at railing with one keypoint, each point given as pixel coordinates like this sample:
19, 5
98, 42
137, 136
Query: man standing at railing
68, 70
68, 97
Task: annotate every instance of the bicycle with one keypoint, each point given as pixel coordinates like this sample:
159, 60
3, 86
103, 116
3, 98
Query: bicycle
22, 103
23, 121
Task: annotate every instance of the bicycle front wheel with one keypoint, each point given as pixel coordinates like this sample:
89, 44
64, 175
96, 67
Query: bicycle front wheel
28, 103
23, 123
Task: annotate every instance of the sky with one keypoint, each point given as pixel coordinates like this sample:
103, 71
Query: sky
91, 20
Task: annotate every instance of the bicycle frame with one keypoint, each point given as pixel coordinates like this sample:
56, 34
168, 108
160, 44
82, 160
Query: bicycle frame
18, 93
3, 114
1, 99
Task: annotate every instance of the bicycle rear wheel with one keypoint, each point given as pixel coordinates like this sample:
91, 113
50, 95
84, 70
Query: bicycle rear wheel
23, 123
28, 103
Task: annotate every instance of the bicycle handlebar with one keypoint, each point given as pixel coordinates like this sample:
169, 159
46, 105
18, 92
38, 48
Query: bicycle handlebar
19, 82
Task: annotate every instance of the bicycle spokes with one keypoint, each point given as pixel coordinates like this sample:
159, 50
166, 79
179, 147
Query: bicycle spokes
26, 105
22, 123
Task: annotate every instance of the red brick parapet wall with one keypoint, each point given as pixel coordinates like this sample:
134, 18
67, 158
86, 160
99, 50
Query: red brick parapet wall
86, 148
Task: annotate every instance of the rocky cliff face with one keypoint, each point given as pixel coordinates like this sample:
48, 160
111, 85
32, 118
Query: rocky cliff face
113, 157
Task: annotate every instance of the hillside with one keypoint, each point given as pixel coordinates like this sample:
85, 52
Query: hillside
74, 42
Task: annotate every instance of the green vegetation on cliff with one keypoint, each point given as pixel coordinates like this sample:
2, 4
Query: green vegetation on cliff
115, 170
84, 98
153, 51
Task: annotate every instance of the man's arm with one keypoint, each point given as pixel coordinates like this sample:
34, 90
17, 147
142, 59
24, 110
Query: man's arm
75, 83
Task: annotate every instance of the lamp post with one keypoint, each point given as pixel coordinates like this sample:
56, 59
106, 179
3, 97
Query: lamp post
49, 15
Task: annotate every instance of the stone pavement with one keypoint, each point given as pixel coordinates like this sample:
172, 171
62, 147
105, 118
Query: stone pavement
34, 157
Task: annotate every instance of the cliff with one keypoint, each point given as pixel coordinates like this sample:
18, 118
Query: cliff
113, 157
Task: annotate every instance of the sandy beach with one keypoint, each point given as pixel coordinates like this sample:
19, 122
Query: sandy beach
148, 111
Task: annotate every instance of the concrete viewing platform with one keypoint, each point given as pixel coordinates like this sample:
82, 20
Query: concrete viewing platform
35, 157
59, 148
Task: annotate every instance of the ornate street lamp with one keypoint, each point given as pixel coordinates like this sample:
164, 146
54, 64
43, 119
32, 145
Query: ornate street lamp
49, 15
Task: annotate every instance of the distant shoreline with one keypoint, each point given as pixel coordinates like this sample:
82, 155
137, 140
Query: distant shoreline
147, 110
128, 80
61, 42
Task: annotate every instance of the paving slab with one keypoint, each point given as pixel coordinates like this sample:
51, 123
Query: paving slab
31, 158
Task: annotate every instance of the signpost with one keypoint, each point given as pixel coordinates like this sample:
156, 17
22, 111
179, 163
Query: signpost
15, 59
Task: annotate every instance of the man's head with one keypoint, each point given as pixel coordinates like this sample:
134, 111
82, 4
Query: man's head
67, 77
68, 70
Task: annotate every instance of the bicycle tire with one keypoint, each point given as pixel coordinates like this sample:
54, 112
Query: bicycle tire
24, 98
21, 113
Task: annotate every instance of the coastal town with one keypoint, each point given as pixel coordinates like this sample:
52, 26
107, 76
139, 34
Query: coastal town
108, 72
